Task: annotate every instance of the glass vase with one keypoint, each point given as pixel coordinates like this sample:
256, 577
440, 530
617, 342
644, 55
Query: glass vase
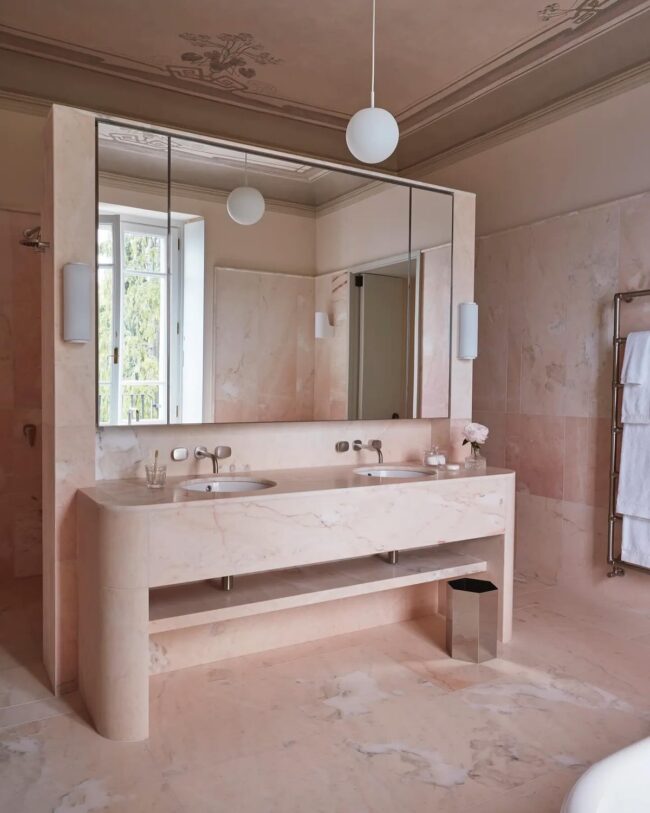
475, 460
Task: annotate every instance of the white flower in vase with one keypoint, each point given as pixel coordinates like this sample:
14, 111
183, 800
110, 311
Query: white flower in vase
475, 434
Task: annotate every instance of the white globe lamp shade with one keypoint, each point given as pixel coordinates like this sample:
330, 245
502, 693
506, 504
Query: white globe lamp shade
245, 205
372, 135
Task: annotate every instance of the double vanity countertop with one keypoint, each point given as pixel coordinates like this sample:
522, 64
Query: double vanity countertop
134, 494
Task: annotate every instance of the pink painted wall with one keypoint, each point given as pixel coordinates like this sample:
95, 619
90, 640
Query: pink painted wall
20, 399
374, 224
542, 379
587, 157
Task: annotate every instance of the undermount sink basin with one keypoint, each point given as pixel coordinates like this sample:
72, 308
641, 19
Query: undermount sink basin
395, 472
226, 485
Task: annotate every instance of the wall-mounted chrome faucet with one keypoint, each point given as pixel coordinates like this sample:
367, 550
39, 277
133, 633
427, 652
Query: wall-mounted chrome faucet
220, 453
372, 445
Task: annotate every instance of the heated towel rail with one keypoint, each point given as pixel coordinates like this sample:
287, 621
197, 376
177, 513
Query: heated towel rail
613, 558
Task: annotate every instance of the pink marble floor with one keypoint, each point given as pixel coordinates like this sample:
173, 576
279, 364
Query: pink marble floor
380, 720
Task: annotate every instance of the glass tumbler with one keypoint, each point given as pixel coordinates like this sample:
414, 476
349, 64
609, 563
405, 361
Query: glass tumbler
156, 476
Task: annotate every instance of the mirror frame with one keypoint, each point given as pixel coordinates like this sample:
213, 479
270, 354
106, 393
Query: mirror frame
297, 158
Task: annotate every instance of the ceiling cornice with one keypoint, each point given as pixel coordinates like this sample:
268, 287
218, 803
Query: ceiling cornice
24, 104
565, 107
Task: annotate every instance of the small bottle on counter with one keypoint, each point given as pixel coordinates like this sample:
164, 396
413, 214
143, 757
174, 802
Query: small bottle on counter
434, 457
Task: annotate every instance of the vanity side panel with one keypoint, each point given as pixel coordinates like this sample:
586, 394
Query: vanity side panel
113, 619
499, 553
463, 247
224, 537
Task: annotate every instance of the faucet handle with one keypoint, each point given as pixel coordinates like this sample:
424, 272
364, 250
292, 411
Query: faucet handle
222, 452
376, 444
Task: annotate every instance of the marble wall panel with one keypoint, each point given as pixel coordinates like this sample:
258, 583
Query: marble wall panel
263, 346
548, 288
434, 330
20, 399
68, 380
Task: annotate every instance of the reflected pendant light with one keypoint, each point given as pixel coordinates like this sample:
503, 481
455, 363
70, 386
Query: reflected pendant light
372, 133
246, 204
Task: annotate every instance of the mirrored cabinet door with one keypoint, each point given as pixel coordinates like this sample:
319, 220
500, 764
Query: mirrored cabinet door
235, 286
134, 268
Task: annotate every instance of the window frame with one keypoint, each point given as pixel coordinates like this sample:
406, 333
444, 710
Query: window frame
171, 316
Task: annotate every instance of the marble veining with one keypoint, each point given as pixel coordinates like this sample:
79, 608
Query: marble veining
418, 744
423, 765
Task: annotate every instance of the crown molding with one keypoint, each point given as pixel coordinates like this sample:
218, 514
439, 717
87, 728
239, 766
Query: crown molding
628, 80
19, 103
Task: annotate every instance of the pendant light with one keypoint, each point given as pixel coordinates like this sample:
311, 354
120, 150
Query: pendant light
372, 133
245, 204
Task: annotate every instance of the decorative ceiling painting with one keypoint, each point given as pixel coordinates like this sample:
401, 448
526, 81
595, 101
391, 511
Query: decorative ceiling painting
287, 72
230, 62
578, 13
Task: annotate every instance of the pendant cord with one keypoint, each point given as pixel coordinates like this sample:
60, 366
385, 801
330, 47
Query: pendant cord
245, 169
372, 75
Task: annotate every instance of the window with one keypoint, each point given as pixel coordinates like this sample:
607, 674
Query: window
136, 294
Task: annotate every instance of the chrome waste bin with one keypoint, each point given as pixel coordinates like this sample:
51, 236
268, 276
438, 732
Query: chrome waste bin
472, 619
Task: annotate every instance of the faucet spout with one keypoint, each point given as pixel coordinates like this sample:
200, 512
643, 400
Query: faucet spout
220, 453
372, 445
201, 452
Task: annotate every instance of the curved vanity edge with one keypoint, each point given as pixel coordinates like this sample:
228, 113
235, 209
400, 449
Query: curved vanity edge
119, 540
113, 595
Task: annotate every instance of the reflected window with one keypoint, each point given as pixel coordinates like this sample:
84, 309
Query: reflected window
134, 290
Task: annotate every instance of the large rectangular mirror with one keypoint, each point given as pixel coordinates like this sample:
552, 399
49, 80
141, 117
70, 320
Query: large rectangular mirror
333, 305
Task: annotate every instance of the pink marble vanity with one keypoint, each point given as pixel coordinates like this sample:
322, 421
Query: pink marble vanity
145, 557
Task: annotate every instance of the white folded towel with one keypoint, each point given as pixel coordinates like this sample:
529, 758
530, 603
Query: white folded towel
636, 361
635, 375
636, 404
636, 541
633, 500
634, 476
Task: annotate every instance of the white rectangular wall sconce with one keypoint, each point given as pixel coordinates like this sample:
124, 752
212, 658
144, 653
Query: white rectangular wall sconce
467, 330
322, 327
77, 302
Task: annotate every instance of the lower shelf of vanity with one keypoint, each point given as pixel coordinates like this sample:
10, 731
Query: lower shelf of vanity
188, 605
